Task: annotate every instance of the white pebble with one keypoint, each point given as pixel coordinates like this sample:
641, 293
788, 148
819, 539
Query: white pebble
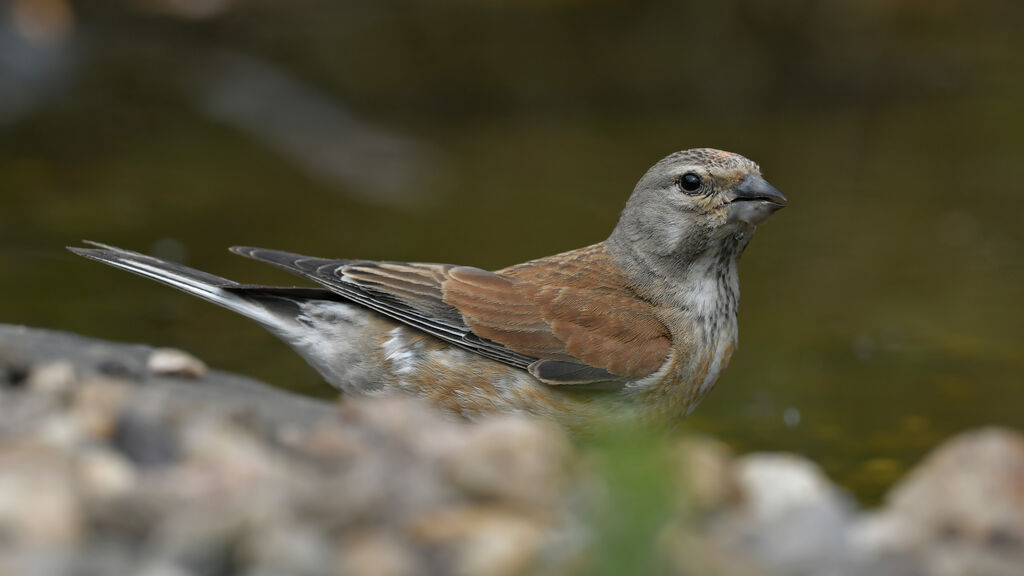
173, 362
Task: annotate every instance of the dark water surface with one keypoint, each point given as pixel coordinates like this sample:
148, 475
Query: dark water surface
881, 312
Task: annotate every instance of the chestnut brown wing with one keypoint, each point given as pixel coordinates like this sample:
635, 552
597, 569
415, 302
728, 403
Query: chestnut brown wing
552, 318
532, 317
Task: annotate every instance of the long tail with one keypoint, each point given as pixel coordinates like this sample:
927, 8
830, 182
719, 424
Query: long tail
272, 307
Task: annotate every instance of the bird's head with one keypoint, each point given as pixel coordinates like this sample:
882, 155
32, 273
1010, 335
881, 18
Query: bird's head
693, 201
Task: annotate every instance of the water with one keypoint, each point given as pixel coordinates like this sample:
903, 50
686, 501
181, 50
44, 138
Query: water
880, 312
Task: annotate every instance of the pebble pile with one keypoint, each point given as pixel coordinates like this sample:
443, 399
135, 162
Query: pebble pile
119, 459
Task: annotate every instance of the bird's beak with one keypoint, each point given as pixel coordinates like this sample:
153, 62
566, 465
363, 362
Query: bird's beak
753, 200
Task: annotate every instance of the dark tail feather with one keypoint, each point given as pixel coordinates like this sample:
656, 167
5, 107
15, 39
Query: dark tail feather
259, 303
295, 263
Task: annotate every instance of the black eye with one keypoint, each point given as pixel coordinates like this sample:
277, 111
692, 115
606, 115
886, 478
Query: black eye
690, 182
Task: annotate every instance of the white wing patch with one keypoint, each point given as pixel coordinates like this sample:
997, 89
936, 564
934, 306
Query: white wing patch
398, 351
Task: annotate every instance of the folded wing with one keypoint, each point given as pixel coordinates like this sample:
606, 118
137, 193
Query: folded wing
568, 319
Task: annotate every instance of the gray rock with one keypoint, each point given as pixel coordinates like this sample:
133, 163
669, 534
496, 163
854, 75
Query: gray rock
792, 519
107, 467
145, 439
39, 502
707, 475
514, 460
376, 553
960, 512
54, 378
173, 362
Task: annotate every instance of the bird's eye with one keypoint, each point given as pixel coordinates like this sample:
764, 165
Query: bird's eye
689, 182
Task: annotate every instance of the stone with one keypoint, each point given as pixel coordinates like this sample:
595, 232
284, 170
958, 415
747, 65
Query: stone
705, 475
376, 553
484, 540
163, 568
959, 512
52, 378
39, 502
970, 488
145, 439
685, 551
284, 547
97, 405
103, 474
174, 362
58, 430
110, 471
516, 459
13, 375
792, 519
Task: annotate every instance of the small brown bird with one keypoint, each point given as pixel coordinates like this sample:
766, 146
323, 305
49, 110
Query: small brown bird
645, 319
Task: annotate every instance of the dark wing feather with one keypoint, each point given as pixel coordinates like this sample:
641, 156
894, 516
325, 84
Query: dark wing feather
409, 293
569, 372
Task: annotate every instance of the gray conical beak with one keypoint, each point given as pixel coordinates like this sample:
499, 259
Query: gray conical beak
753, 200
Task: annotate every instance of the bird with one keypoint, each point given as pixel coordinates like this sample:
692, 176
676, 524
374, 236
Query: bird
641, 323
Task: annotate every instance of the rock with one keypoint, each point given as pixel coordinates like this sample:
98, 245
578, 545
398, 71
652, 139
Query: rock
130, 471
792, 519
515, 459
13, 375
43, 561
484, 541
52, 378
706, 477
39, 504
960, 512
163, 475
121, 369
57, 430
97, 405
688, 552
290, 548
164, 568
173, 362
201, 537
376, 553
103, 474
970, 488
145, 439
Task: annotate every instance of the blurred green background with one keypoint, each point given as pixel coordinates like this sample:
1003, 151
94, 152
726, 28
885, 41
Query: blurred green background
881, 311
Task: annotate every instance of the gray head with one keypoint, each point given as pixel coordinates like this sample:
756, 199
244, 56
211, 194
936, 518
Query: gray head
693, 202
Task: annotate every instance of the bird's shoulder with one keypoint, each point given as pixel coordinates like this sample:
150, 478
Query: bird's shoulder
575, 306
